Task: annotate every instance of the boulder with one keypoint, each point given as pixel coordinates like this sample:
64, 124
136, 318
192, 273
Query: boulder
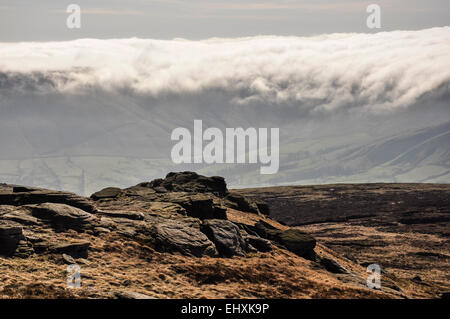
240, 202
200, 206
62, 216
20, 195
109, 192
226, 236
260, 244
68, 259
10, 236
333, 266
189, 182
75, 250
174, 235
17, 214
292, 239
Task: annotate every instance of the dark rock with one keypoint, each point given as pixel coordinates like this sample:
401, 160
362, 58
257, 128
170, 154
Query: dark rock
62, 216
109, 192
263, 208
198, 205
259, 243
294, 240
22, 189
75, 250
123, 214
333, 266
10, 236
445, 295
179, 236
190, 182
240, 202
226, 236
417, 279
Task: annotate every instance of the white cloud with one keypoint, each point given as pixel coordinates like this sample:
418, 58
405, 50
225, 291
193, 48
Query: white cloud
324, 73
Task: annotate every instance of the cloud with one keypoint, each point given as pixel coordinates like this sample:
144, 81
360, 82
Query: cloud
371, 72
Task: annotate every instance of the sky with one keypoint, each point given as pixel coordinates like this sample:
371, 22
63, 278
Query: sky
82, 109
45, 20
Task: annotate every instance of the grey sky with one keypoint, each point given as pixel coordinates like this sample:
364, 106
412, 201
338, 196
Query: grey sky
45, 20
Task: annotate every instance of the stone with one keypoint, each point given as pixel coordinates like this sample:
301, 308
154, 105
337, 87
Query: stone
68, 259
10, 237
260, 244
292, 239
75, 250
131, 295
190, 182
20, 195
240, 202
22, 217
62, 216
174, 235
109, 192
200, 206
263, 208
333, 266
226, 236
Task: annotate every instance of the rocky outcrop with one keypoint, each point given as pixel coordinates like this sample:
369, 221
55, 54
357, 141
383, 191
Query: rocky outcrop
226, 236
184, 213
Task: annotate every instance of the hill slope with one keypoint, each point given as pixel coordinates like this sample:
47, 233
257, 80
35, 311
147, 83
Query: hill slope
185, 236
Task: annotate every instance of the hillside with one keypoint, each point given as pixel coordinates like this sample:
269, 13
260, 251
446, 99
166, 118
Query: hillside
185, 236
402, 227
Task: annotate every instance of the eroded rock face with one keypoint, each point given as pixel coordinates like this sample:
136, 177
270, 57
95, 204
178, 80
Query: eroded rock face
62, 216
226, 236
184, 238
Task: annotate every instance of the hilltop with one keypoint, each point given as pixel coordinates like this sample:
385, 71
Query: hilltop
184, 236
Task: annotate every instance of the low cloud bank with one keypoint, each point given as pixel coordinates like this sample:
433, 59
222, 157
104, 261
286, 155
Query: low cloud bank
373, 72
